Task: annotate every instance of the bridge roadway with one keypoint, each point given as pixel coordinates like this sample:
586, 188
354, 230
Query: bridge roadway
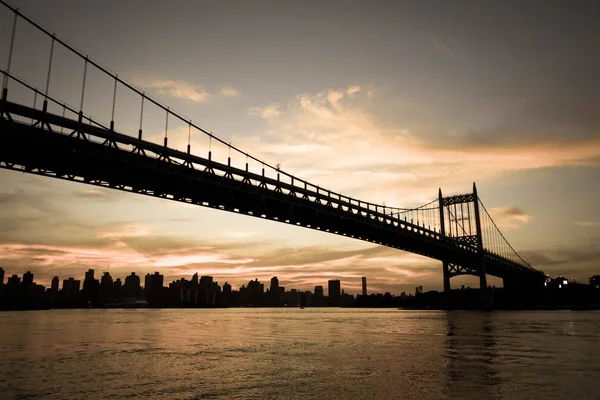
89, 154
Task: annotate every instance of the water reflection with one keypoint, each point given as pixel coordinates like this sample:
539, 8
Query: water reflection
471, 354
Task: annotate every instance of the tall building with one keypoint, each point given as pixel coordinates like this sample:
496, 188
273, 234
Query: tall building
70, 289
1, 276
335, 288
91, 288
106, 287
118, 289
132, 288
195, 279
274, 284
27, 278
13, 281
226, 288
206, 282
274, 291
319, 291
364, 285
54, 285
153, 287
226, 293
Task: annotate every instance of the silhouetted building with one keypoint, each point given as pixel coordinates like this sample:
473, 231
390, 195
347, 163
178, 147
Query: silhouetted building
53, 293
132, 288
255, 292
91, 288
318, 298
27, 278
226, 293
364, 285
54, 285
319, 291
195, 279
206, 295
153, 288
70, 289
595, 281
1, 276
274, 291
13, 281
118, 289
89, 275
334, 287
106, 288
206, 281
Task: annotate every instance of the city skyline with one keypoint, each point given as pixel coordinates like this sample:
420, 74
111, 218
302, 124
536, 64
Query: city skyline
386, 137
90, 274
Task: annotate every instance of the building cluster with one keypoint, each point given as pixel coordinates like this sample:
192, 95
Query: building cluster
564, 292
202, 291
199, 291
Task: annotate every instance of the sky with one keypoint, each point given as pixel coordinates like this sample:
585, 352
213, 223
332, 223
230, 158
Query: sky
386, 101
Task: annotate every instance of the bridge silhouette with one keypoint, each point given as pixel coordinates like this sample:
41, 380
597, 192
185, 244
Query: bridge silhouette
40, 134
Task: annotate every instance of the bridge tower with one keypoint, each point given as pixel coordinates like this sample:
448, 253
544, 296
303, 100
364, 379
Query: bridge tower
460, 220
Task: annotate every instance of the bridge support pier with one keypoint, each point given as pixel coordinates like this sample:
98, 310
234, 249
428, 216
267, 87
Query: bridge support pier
482, 277
446, 269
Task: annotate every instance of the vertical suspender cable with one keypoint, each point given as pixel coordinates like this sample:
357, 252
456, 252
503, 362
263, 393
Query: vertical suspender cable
141, 117
10, 53
112, 115
63, 115
189, 137
45, 107
166, 127
35, 92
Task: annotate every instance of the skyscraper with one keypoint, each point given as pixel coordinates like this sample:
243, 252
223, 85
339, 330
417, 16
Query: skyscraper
226, 293
27, 278
118, 289
131, 287
153, 288
364, 285
319, 291
70, 289
89, 275
334, 288
274, 284
106, 287
274, 291
1, 276
54, 285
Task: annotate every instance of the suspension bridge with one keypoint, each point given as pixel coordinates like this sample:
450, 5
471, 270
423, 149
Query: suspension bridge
42, 134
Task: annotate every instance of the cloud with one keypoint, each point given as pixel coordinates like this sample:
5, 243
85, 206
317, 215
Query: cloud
269, 112
119, 231
509, 217
352, 90
185, 90
349, 145
567, 261
589, 224
179, 89
228, 91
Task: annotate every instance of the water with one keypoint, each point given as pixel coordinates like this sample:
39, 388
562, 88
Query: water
299, 354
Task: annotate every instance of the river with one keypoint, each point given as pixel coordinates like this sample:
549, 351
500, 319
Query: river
312, 353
